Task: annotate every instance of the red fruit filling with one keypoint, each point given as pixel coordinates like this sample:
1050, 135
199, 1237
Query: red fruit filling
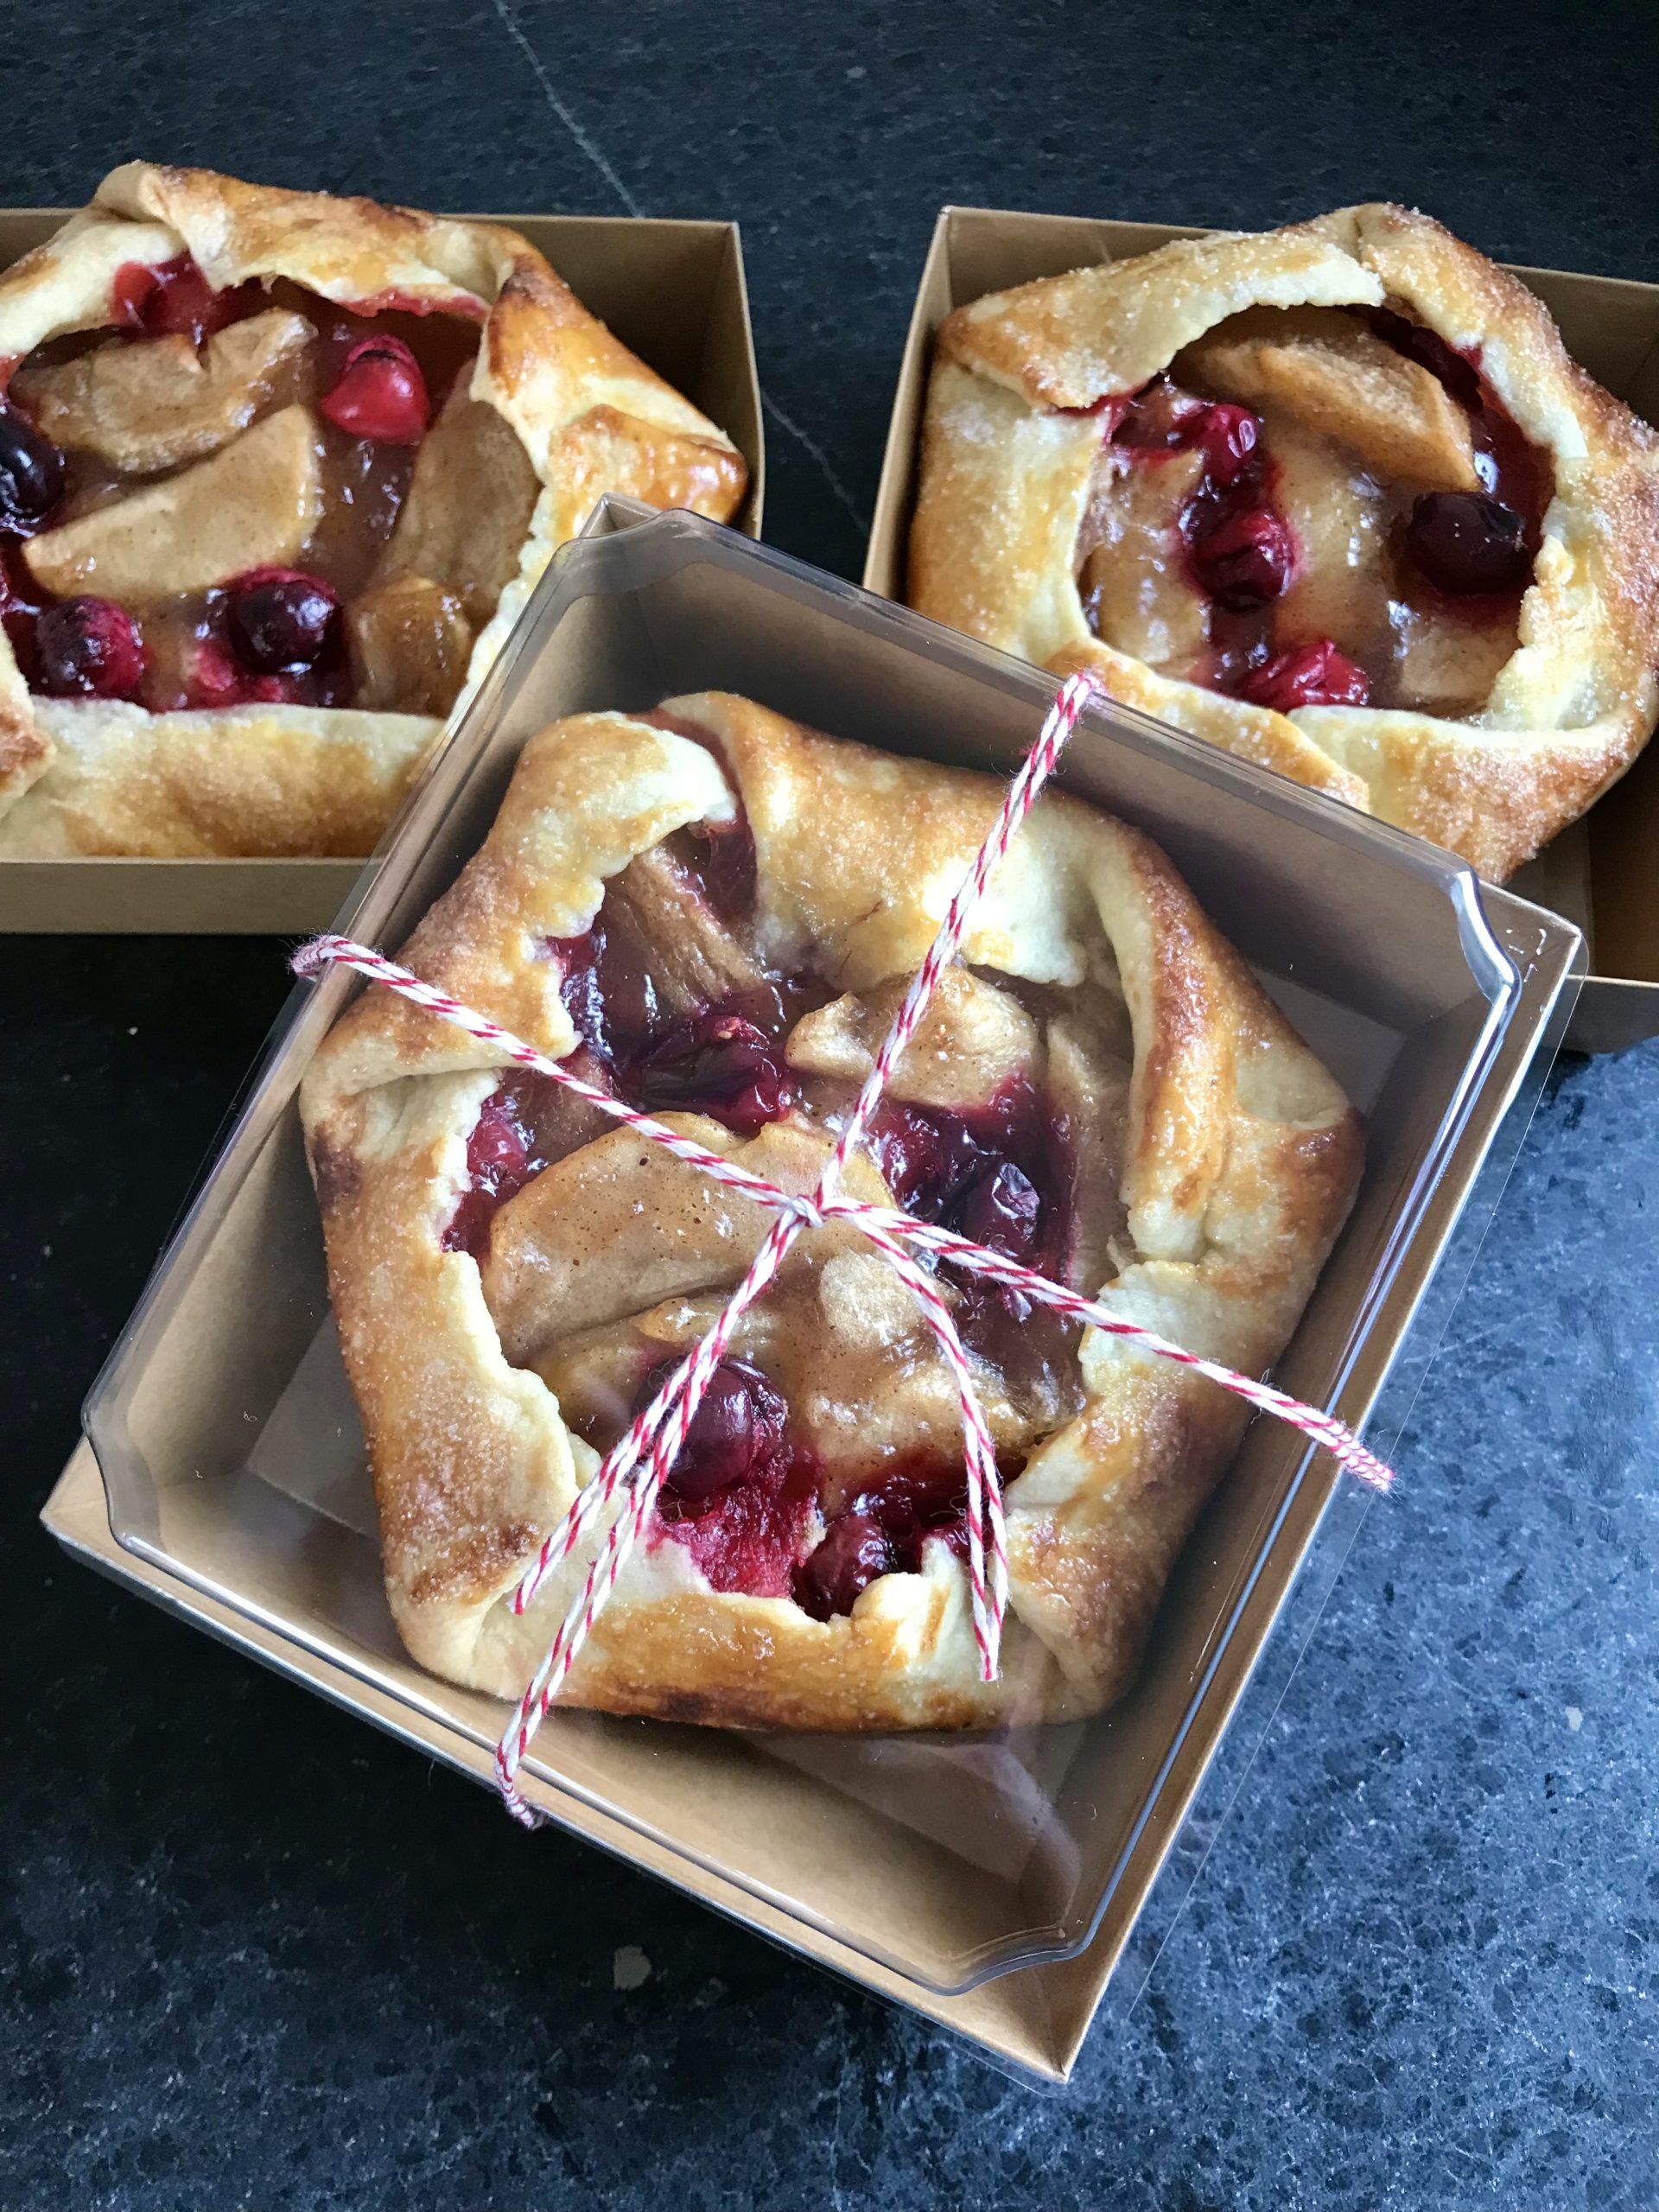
1465, 542
31, 474
1001, 1209
720, 1064
89, 649
738, 1497
744, 1496
856, 1551
1466, 554
278, 635
520, 1129
726, 1060
934, 1160
1162, 419
381, 394
719, 855
176, 299
1306, 676
1246, 559
883, 1532
280, 620
736, 1434
214, 678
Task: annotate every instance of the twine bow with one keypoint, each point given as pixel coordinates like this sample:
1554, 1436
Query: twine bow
637, 1464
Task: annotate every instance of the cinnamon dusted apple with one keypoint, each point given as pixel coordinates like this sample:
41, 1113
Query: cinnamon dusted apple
140, 409
713, 912
276, 473
1332, 496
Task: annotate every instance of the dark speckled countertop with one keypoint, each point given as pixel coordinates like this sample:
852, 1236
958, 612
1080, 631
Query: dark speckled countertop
252, 1955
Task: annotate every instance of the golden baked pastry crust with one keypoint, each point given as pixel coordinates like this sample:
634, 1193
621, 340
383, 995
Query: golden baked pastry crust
1006, 465
92, 776
1238, 1163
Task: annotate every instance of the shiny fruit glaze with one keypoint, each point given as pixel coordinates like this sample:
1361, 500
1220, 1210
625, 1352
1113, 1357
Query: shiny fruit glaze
736, 1434
516, 1134
1246, 560
720, 855
31, 474
718, 1063
738, 1497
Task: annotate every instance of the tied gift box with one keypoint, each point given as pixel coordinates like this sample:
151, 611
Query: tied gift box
991, 1882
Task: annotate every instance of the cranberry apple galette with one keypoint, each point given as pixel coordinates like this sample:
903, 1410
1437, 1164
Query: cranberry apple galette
713, 912
1333, 497
276, 473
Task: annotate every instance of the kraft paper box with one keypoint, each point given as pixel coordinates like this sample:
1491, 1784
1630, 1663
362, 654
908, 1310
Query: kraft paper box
1601, 872
675, 292
991, 1882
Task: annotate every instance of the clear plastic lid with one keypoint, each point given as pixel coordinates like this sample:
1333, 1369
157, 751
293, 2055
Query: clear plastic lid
228, 1440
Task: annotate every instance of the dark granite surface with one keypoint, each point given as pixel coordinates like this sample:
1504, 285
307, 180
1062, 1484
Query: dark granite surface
253, 1954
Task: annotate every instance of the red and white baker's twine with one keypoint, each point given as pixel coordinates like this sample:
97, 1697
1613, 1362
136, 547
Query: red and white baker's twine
657, 1435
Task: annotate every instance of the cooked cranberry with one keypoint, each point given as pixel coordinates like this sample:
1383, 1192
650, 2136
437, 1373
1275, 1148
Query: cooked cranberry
856, 1551
1308, 675
31, 474
717, 1063
1002, 1208
279, 619
175, 299
924, 1158
89, 649
1160, 419
1465, 542
736, 1433
1247, 559
1230, 436
381, 394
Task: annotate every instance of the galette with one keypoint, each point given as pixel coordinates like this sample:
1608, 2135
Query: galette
277, 471
1333, 497
712, 912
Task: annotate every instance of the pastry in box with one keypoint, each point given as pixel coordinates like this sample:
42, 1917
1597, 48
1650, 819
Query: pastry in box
1334, 497
714, 911
278, 471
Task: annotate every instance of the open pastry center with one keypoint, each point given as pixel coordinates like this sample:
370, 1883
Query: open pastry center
829, 1452
1315, 506
255, 496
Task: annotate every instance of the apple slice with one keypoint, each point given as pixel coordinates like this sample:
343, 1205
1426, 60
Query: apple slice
158, 403
1328, 372
252, 505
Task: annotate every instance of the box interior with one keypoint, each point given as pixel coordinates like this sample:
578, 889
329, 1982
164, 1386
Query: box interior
937, 1863
1598, 872
675, 292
